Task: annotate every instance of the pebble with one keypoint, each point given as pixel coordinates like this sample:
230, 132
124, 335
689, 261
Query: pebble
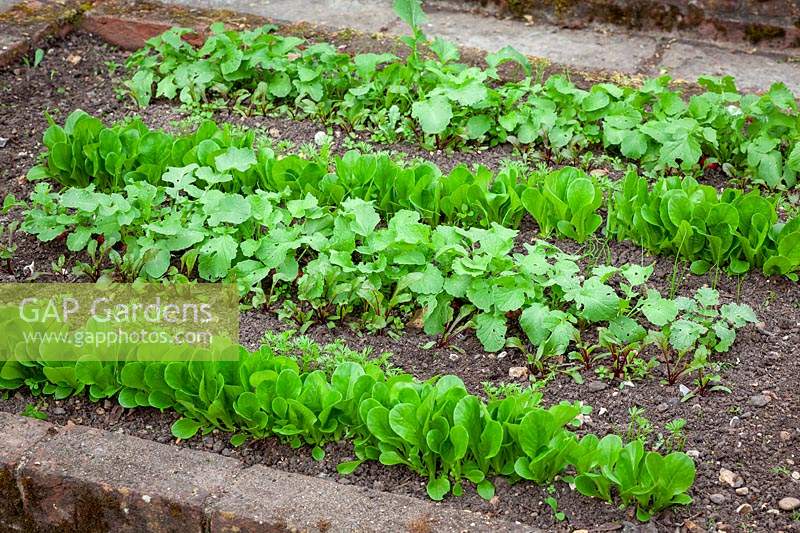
762, 328
742, 491
518, 372
630, 527
3, 142
717, 498
692, 527
796, 475
453, 357
785, 436
745, 508
596, 386
789, 504
730, 478
759, 400
665, 406
734, 422
693, 453
59, 411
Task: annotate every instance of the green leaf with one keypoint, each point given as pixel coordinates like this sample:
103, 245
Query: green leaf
596, 300
634, 144
438, 488
366, 218
486, 490
216, 256
318, 453
478, 125
685, 333
241, 159
659, 311
403, 421
77, 240
491, 331
431, 281
348, 467
433, 114
410, 12
738, 314
141, 86
185, 428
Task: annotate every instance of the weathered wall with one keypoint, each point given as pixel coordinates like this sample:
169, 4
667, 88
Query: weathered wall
773, 21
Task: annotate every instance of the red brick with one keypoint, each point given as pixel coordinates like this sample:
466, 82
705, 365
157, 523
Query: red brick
130, 33
17, 436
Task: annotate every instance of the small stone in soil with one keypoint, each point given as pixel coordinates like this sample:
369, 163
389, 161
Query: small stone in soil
785, 436
789, 504
717, 498
58, 411
745, 508
3, 142
730, 478
518, 372
742, 491
759, 400
596, 386
662, 407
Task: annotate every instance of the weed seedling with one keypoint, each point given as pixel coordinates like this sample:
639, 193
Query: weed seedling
639, 427
675, 438
32, 411
7, 246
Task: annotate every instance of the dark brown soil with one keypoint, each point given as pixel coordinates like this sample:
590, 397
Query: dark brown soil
762, 444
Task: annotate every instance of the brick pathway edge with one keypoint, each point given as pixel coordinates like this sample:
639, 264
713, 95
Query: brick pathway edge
76, 478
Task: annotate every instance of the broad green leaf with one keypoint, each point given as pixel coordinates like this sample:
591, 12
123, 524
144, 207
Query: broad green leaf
185, 428
241, 159
491, 331
596, 300
410, 12
433, 114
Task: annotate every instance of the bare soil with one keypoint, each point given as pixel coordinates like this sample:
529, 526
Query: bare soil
761, 443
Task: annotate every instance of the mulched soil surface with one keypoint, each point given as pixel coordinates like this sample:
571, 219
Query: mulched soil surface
759, 440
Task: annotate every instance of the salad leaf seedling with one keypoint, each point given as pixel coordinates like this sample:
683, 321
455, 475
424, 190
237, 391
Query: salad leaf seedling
428, 96
435, 428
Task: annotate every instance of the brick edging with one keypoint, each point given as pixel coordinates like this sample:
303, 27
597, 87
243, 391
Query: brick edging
28, 24
76, 478
128, 25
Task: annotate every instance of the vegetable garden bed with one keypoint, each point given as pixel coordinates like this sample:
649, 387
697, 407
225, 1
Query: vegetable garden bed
753, 430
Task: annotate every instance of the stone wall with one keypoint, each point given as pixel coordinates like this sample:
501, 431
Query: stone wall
774, 22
